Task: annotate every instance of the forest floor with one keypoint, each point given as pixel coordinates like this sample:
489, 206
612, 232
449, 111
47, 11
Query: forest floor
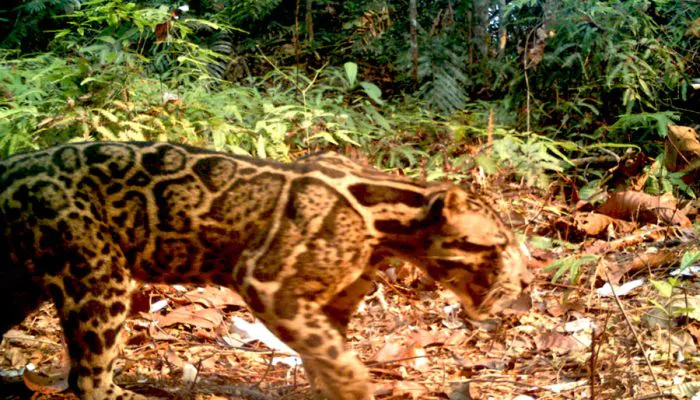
567, 339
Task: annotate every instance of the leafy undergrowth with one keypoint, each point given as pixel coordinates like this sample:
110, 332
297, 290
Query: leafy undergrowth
569, 339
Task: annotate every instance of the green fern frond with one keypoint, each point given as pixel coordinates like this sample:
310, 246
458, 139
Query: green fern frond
657, 122
441, 68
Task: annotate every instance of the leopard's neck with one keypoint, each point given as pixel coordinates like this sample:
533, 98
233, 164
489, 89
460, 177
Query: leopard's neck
392, 206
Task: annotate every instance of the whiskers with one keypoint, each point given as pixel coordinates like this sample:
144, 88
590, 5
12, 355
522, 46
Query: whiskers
501, 292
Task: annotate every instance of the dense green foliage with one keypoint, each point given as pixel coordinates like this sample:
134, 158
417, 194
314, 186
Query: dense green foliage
273, 78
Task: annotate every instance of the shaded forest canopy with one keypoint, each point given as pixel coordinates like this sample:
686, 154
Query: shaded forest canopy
542, 80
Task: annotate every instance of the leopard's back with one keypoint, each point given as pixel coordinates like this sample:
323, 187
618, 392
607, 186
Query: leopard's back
178, 214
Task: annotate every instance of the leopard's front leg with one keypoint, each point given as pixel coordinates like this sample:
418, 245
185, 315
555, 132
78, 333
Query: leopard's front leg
331, 366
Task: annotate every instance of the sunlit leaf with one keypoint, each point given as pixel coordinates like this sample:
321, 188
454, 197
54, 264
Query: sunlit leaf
373, 92
351, 72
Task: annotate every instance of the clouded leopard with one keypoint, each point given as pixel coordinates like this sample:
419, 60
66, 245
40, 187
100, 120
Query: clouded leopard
300, 242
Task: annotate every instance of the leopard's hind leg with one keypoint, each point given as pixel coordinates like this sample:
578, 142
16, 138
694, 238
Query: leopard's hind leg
92, 292
20, 294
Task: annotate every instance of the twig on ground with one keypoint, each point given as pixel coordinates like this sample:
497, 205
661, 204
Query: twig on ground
242, 392
634, 333
591, 368
267, 370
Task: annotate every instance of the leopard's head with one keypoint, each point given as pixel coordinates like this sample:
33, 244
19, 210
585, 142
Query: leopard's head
469, 250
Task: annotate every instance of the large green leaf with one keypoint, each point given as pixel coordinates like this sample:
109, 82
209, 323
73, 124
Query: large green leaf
373, 92
351, 72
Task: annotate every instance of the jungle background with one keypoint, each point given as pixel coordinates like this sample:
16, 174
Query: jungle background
578, 118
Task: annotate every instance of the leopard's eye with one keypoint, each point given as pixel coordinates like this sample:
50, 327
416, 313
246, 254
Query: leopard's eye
452, 265
462, 244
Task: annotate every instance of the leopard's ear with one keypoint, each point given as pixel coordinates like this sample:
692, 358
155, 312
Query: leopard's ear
444, 206
464, 214
456, 201
436, 206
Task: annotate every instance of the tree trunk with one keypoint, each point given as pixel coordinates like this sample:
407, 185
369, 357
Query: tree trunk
309, 23
413, 10
481, 27
502, 33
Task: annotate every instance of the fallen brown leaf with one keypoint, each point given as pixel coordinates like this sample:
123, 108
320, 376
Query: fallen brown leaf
393, 349
651, 261
558, 343
496, 364
173, 358
41, 383
694, 330
554, 308
637, 206
594, 224
640, 236
17, 357
192, 315
682, 148
674, 341
215, 296
408, 388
